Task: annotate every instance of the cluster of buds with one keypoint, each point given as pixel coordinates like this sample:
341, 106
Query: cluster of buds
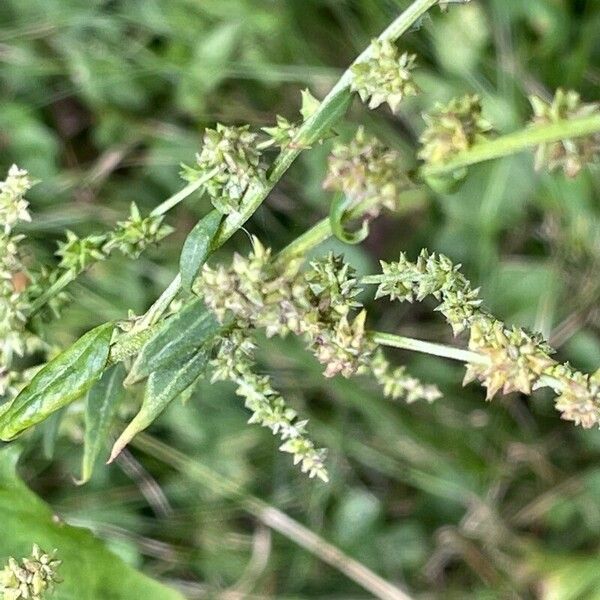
130, 237
283, 134
31, 579
435, 276
256, 292
452, 128
515, 359
260, 294
386, 76
397, 383
578, 395
13, 274
510, 359
230, 155
570, 155
367, 169
233, 362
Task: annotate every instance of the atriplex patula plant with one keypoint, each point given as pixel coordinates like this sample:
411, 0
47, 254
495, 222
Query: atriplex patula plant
205, 322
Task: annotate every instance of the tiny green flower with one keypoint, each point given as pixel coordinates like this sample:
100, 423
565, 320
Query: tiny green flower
13, 206
516, 359
77, 254
366, 168
452, 128
234, 153
384, 77
570, 155
134, 235
31, 579
579, 397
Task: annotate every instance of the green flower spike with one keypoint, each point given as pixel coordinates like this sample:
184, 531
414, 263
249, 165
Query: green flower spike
385, 77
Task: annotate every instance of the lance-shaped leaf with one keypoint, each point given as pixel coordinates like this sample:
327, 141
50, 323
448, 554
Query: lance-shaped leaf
186, 331
61, 381
197, 247
101, 405
162, 388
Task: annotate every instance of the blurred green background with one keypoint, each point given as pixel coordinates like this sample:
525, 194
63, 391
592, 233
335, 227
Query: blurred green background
102, 100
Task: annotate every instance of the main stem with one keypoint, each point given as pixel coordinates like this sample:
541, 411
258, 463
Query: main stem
516, 142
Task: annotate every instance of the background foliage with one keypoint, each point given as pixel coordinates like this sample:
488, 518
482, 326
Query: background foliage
103, 99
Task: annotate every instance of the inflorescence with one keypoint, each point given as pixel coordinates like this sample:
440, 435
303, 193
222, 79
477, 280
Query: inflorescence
452, 128
318, 304
386, 76
32, 578
570, 155
511, 359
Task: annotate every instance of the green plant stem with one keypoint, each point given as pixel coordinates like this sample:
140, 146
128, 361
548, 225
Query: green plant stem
321, 231
445, 351
516, 142
332, 109
182, 194
69, 276
407, 343
62, 282
157, 310
272, 517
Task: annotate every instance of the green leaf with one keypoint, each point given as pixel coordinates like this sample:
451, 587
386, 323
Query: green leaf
89, 570
319, 125
101, 405
198, 247
50, 433
59, 382
187, 330
337, 216
162, 388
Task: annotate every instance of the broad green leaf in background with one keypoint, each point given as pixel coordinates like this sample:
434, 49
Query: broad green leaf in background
197, 247
162, 388
186, 331
101, 405
58, 383
89, 570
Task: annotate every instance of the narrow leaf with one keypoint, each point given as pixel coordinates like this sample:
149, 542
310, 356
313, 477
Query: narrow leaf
162, 388
50, 433
102, 402
58, 383
197, 247
187, 330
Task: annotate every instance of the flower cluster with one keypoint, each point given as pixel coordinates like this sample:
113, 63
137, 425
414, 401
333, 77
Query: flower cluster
260, 294
32, 579
435, 276
130, 237
570, 155
256, 292
578, 395
284, 132
234, 363
367, 169
230, 155
397, 383
13, 274
386, 76
508, 359
515, 359
453, 128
